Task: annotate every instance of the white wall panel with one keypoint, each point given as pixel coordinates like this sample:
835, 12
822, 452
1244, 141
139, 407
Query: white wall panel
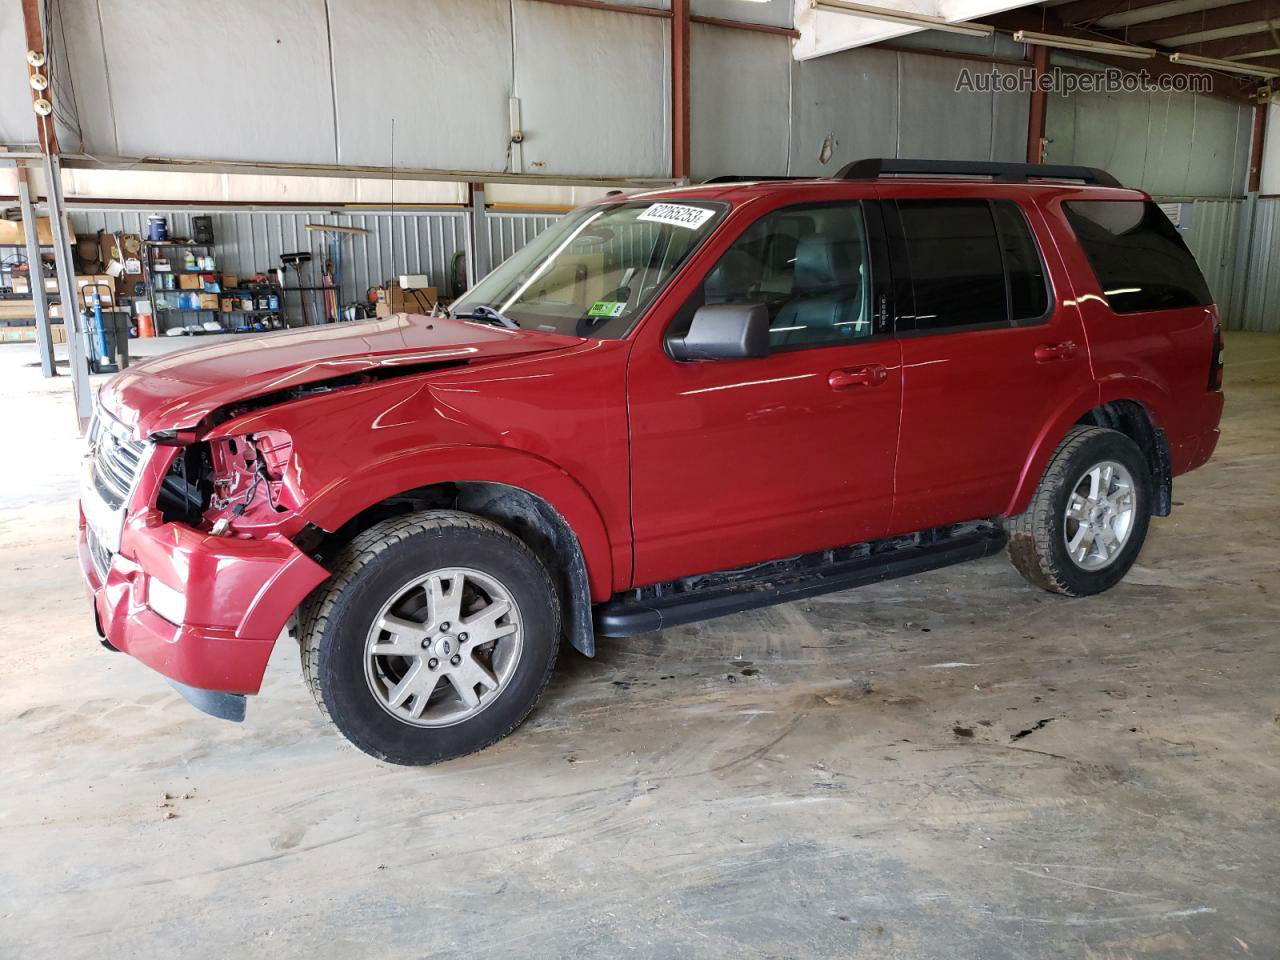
594, 90
852, 100
739, 102
1171, 144
1271, 153
775, 13
17, 122
960, 130
234, 80
441, 68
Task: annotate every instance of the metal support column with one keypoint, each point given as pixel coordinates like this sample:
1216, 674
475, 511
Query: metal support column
69, 292
480, 254
680, 136
35, 273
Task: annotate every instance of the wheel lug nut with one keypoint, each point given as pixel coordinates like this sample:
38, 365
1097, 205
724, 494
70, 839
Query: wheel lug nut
462, 638
432, 663
426, 642
444, 627
456, 660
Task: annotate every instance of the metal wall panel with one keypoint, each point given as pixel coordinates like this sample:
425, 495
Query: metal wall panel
1261, 307
251, 242
593, 89
240, 79
508, 232
1213, 235
773, 12
17, 122
1177, 145
735, 75
449, 65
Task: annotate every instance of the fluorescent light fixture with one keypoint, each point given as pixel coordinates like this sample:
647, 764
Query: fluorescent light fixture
1084, 45
1230, 66
902, 17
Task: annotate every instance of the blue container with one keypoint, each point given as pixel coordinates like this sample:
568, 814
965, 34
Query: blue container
157, 229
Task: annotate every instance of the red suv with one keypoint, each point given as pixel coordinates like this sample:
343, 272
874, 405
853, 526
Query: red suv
669, 406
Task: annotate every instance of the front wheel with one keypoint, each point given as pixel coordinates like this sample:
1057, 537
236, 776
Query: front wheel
435, 637
1089, 516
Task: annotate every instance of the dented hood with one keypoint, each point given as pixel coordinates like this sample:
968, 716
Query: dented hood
181, 389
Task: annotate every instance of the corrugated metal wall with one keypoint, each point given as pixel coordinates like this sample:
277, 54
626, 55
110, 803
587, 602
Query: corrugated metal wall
1213, 232
1260, 298
508, 232
250, 242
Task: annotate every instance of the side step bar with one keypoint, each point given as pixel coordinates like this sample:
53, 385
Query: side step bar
629, 614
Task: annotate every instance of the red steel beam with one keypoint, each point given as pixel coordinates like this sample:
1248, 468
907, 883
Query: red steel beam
743, 25
1255, 149
680, 88
48, 137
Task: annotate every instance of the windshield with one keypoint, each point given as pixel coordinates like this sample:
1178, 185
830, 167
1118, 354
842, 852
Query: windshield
595, 271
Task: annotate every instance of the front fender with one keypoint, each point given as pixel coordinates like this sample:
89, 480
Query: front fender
346, 496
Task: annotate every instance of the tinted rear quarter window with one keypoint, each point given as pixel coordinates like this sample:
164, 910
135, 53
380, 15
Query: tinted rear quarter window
1028, 290
1137, 255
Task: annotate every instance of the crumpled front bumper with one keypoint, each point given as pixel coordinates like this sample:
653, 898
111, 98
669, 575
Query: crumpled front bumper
239, 594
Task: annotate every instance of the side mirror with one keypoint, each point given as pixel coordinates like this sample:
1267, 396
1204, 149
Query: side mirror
724, 331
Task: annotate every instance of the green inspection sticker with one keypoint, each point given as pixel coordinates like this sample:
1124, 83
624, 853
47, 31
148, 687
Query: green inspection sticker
607, 308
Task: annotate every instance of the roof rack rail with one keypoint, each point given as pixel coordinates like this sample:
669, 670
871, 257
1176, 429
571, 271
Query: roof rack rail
1004, 172
735, 178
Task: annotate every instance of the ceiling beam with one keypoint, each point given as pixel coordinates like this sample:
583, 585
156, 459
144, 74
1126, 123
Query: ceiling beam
1235, 46
1237, 15
1087, 11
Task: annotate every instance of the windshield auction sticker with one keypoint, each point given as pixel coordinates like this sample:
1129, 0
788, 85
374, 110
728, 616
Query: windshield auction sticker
607, 308
678, 215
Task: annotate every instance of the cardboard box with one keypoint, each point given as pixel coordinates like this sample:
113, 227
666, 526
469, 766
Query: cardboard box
17, 334
101, 284
190, 281
230, 281
395, 300
11, 232
208, 301
22, 284
228, 305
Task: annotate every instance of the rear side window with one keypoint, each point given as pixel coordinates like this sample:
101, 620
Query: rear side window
956, 268
1137, 255
1028, 291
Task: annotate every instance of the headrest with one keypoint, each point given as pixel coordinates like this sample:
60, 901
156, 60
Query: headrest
824, 262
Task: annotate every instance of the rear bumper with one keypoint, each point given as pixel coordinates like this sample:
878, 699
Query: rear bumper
239, 594
1195, 449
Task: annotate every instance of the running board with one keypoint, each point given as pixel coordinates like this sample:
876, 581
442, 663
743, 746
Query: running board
701, 598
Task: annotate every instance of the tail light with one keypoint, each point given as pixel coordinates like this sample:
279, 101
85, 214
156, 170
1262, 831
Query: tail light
1215, 365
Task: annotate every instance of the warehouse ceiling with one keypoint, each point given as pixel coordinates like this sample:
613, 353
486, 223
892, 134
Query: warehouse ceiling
1247, 31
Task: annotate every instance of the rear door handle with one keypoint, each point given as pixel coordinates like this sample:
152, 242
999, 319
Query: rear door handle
871, 375
1048, 352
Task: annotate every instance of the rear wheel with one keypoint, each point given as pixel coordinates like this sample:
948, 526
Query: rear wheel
435, 637
1089, 516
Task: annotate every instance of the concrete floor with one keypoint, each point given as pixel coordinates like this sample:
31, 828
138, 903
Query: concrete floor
846, 777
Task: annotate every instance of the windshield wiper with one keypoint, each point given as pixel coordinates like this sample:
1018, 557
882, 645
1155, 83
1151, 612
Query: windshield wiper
488, 315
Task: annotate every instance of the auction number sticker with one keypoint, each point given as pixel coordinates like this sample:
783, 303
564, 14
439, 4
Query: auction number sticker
678, 215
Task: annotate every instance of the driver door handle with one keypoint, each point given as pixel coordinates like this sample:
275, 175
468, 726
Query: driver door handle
871, 375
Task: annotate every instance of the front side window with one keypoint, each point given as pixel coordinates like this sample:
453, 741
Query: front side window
595, 271
809, 265
957, 273
1137, 255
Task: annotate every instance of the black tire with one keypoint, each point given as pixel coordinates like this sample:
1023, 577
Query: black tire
1037, 540
336, 619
